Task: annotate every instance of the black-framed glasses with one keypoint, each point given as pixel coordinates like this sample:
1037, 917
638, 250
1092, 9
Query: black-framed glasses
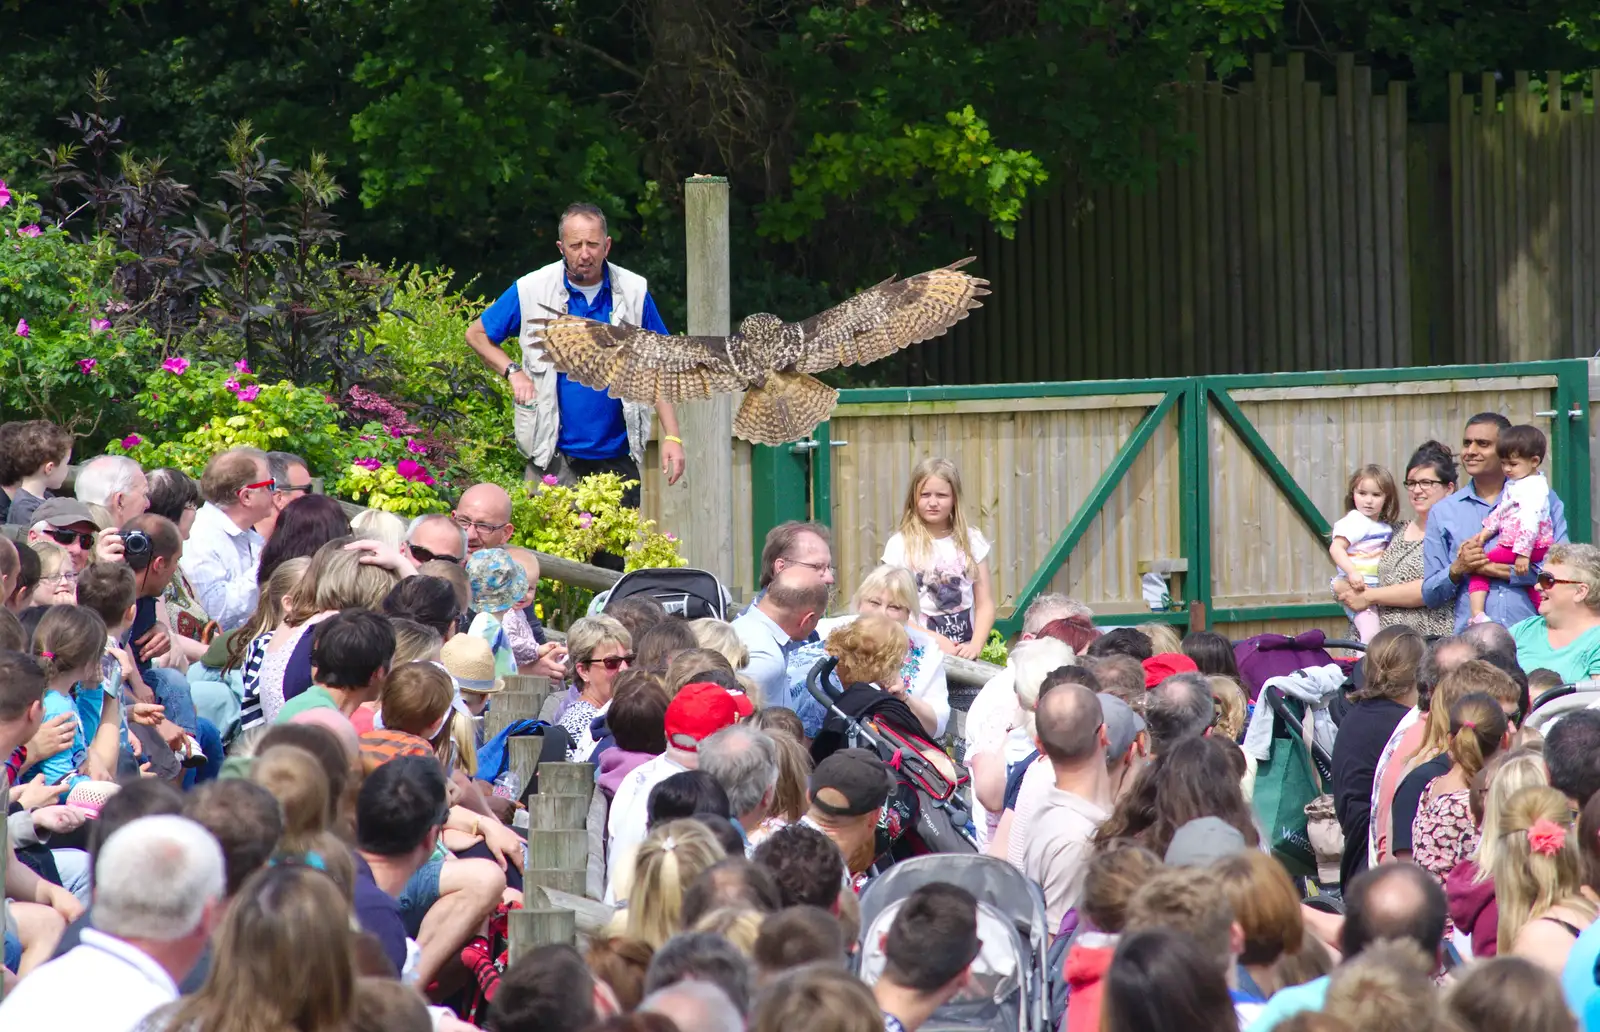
483, 528
611, 663
428, 555
1412, 485
819, 567
1546, 581
67, 537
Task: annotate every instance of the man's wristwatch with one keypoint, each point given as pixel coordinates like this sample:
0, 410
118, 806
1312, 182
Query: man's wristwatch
511, 367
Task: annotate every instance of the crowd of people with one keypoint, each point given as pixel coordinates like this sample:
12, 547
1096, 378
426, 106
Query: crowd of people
249, 784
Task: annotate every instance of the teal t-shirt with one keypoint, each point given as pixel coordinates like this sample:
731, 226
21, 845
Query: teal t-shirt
1286, 1003
1577, 662
1577, 978
315, 697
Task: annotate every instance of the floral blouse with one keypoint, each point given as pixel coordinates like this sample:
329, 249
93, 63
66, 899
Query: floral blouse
1443, 833
1402, 562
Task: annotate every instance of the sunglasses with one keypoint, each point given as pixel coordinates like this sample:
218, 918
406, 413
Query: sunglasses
1546, 581
67, 537
424, 555
262, 485
611, 663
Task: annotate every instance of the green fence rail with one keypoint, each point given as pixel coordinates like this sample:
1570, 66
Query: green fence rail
795, 481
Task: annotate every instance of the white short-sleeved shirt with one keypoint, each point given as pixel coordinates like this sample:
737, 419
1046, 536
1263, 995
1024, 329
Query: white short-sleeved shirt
944, 581
104, 985
627, 823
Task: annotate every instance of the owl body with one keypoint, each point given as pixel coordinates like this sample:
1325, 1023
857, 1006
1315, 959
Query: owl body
769, 359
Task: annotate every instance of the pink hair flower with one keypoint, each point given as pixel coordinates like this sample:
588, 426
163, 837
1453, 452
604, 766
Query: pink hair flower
29, 231
1546, 837
177, 365
132, 441
86, 365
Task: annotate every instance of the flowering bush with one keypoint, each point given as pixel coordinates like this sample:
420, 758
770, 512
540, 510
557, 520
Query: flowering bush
577, 522
62, 357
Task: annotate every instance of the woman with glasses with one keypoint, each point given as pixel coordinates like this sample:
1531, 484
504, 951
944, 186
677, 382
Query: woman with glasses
1430, 478
58, 581
1565, 636
598, 649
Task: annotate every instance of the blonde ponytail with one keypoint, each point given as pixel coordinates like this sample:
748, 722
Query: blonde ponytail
1477, 727
1538, 865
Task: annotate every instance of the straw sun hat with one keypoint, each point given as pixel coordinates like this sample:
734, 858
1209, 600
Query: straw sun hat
470, 663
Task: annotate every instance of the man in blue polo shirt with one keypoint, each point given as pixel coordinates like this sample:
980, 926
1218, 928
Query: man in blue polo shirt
1449, 556
563, 428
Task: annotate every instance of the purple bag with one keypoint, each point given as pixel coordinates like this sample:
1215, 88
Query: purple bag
1266, 656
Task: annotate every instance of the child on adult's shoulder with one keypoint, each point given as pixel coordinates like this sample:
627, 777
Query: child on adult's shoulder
1521, 517
948, 558
1372, 506
535, 657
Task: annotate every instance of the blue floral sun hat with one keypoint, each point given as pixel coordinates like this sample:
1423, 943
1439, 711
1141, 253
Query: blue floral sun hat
498, 581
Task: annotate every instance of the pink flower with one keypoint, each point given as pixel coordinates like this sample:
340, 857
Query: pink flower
671, 536
428, 480
410, 469
396, 432
232, 384
177, 365
369, 463
132, 441
585, 520
249, 393
368, 437
5, 195
1546, 837
414, 448
86, 365
99, 325
29, 231
549, 480
243, 365
22, 324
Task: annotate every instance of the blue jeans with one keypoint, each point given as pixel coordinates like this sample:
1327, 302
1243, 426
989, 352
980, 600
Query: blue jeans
72, 865
172, 691
13, 952
419, 895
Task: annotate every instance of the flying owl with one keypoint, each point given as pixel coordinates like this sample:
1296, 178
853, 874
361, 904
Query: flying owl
771, 360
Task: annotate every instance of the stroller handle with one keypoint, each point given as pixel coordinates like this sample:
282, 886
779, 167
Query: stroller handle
817, 681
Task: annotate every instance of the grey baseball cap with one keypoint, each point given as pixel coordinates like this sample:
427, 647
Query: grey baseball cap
1123, 725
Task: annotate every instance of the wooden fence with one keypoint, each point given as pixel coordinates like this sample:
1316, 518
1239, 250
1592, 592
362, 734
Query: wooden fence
1308, 228
1032, 456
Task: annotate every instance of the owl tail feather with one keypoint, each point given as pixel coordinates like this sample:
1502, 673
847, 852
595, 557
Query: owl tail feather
785, 408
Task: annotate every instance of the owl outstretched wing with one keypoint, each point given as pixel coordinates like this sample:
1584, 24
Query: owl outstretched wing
634, 364
878, 322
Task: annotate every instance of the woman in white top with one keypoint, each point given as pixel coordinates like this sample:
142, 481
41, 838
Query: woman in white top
891, 591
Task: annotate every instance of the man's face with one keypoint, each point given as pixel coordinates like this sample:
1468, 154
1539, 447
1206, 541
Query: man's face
435, 539
77, 539
1478, 449
584, 245
809, 561
297, 485
487, 525
257, 501
132, 502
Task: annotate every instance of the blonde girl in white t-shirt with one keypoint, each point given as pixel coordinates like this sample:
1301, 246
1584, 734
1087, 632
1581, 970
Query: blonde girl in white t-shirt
948, 558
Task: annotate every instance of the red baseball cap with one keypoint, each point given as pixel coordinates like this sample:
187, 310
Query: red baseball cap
1159, 668
700, 710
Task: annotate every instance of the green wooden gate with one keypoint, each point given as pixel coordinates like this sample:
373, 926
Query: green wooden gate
1211, 418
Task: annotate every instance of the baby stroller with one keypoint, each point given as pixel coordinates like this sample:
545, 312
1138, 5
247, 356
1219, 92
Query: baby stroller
691, 594
1009, 976
928, 780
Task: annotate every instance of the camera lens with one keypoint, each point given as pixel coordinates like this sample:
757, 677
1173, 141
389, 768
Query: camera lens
136, 549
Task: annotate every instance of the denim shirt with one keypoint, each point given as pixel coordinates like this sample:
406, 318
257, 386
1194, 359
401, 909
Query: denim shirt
1451, 522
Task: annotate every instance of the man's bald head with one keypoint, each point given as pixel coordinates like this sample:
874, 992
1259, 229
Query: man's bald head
485, 513
695, 1006
1394, 901
1490, 639
1069, 719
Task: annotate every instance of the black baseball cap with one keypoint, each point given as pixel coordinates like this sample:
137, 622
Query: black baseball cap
850, 783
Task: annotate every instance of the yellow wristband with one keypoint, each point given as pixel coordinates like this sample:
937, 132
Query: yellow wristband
674, 440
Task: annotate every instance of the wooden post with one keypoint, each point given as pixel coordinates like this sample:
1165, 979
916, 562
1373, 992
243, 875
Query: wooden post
699, 508
509, 707
527, 930
563, 850
524, 750
546, 810
575, 779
